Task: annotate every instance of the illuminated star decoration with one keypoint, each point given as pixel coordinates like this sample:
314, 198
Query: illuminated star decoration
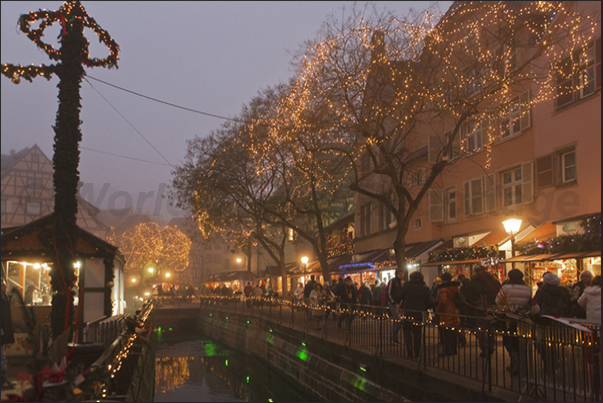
65, 15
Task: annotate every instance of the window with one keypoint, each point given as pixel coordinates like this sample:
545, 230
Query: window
33, 208
473, 140
544, 171
517, 185
451, 203
34, 183
291, 234
512, 187
6, 206
516, 116
418, 223
582, 70
587, 72
386, 216
568, 166
365, 219
436, 205
474, 82
474, 200
35, 158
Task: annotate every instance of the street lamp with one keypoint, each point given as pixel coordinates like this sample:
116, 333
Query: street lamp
167, 275
512, 226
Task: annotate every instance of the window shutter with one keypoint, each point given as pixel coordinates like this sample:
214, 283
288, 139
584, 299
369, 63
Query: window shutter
564, 83
434, 148
436, 205
467, 195
527, 176
544, 171
524, 107
490, 186
598, 63
456, 145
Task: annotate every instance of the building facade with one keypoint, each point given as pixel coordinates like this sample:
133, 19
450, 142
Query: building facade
28, 193
542, 165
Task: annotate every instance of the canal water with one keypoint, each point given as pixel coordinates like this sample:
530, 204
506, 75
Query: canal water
192, 368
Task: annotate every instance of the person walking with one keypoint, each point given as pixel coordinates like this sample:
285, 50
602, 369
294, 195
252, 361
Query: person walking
394, 297
365, 295
591, 300
448, 312
318, 298
514, 295
8, 334
576, 310
308, 288
552, 298
348, 296
481, 295
376, 290
416, 300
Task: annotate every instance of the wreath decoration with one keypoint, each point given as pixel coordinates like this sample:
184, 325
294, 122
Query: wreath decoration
69, 13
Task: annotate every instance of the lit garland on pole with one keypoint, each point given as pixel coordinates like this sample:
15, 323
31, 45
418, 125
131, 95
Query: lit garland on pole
71, 58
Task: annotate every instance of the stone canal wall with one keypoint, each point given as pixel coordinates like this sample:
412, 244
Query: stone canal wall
329, 370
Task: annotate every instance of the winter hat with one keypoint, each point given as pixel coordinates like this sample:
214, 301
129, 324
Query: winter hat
586, 275
551, 279
515, 274
446, 276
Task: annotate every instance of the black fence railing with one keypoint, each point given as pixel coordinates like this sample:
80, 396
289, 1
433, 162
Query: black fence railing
539, 360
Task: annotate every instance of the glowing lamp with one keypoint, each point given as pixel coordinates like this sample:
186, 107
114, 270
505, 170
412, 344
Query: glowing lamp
512, 225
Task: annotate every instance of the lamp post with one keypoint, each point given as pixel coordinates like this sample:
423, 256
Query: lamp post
512, 226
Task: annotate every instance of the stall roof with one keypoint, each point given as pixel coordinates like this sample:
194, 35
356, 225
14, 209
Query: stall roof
454, 262
34, 240
232, 275
546, 230
528, 258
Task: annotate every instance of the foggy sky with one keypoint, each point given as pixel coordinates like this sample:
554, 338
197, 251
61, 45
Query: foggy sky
208, 56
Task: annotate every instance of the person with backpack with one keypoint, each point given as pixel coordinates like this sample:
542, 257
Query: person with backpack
448, 312
481, 295
416, 300
394, 297
514, 295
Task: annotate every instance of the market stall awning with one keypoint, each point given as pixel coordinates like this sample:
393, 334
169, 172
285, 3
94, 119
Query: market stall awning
576, 255
455, 262
528, 258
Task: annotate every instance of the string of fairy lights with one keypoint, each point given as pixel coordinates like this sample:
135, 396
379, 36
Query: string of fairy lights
150, 243
356, 91
67, 14
225, 303
119, 358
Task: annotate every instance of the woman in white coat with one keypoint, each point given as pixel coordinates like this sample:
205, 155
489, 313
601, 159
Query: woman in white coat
513, 295
590, 300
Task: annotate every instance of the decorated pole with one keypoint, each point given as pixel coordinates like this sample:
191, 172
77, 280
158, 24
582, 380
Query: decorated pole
71, 57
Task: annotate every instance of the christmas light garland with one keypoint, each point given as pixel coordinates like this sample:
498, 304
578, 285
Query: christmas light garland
66, 15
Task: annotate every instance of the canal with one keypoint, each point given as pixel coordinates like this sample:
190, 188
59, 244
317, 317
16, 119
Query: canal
192, 368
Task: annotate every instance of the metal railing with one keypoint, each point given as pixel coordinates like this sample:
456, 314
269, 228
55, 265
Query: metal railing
543, 360
122, 356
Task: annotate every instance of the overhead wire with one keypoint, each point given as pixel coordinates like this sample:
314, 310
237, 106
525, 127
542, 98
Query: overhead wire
131, 125
167, 103
123, 156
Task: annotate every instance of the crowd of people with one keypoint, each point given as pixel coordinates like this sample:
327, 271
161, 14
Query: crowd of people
457, 302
